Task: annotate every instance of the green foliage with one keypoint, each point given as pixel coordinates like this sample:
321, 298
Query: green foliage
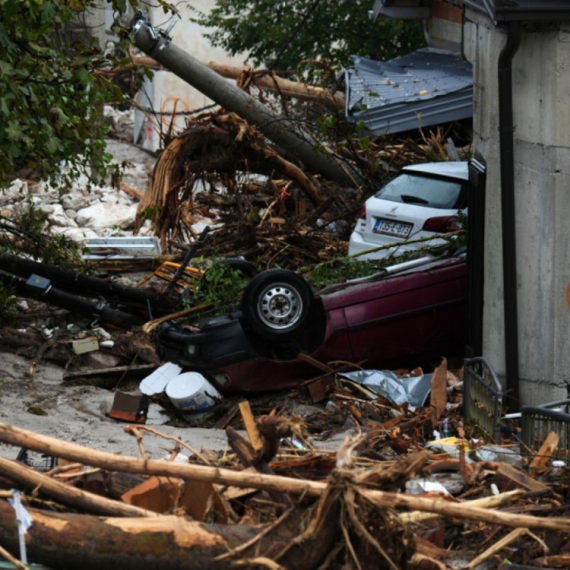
283, 35
30, 232
9, 316
221, 285
340, 269
52, 88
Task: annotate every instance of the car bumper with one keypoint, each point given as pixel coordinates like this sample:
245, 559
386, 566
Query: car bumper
357, 245
213, 347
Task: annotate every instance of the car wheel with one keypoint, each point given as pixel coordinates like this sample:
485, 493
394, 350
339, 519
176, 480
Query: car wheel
277, 304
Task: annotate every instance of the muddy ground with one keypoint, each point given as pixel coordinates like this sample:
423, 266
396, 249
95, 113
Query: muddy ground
45, 403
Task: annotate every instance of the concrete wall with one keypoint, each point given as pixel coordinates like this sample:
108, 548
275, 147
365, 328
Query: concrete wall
167, 92
541, 96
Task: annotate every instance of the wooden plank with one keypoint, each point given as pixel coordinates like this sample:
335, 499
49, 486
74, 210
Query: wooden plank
250, 425
546, 451
508, 478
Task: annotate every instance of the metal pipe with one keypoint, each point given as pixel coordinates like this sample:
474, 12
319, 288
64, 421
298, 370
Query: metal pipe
506, 140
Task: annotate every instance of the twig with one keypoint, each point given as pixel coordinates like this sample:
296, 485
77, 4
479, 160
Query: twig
348, 542
506, 540
151, 325
75, 475
486, 502
132, 430
12, 559
170, 438
256, 538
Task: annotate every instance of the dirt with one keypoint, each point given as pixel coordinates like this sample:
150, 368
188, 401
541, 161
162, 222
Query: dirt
44, 403
35, 397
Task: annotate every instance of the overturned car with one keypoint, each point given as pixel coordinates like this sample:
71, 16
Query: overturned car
410, 313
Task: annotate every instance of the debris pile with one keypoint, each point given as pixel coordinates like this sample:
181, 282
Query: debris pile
390, 497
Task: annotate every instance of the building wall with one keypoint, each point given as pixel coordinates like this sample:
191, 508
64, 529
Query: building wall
541, 108
443, 29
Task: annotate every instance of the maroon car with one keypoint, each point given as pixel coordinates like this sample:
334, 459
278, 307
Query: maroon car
404, 316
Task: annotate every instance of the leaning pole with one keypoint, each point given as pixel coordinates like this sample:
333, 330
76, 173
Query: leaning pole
281, 131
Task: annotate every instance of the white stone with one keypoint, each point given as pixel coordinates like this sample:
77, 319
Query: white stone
58, 217
74, 201
107, 216
18, 188
78, 235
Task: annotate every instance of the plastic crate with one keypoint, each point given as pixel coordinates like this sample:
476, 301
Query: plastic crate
482, 396
38, 461
538, 421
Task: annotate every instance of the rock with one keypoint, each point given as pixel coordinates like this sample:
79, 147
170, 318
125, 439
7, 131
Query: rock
17, 189
99, 360
74, 201
58, 217
78, 235
107, 216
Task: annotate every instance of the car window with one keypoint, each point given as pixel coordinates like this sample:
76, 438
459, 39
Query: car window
426, 191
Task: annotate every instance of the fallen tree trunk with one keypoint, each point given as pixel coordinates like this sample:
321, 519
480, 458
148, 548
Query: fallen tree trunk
77, 453
263, 79
75, 541
268, 80
67, 494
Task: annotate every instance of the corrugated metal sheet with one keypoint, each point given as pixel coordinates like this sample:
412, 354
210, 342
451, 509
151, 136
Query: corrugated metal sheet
424, 88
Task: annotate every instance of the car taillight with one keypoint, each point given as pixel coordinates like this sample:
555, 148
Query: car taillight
363, 211
442, 225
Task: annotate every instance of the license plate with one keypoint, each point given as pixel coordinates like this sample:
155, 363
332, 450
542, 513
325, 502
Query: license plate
390, 227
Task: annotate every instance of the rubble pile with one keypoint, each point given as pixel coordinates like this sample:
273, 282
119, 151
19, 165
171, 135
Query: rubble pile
418, 482
391, 496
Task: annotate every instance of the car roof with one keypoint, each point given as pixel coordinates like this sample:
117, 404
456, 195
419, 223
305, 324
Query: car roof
452, 169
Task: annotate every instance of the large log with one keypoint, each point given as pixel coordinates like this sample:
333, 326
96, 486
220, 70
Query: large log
77, 453
263, 79
269, 80
75, 541
67, 494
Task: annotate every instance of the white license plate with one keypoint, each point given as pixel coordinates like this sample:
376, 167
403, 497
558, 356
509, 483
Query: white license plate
390, 227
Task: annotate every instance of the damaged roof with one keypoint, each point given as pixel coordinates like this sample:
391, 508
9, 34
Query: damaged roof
426, 87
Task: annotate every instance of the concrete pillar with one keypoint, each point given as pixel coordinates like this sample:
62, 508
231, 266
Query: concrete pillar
541, 99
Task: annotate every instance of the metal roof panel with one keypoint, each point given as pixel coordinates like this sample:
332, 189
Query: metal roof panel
423, 88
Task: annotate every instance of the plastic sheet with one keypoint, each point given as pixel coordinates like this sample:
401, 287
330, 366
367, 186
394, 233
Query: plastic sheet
414, 390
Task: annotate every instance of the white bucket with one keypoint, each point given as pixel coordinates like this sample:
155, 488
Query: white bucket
191, 391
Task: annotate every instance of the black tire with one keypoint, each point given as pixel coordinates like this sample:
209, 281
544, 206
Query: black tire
239, 264
277, 304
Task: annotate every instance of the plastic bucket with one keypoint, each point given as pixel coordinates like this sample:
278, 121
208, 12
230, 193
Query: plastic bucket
191, 391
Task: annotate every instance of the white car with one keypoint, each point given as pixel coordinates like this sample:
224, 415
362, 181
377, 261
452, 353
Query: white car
422, 201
